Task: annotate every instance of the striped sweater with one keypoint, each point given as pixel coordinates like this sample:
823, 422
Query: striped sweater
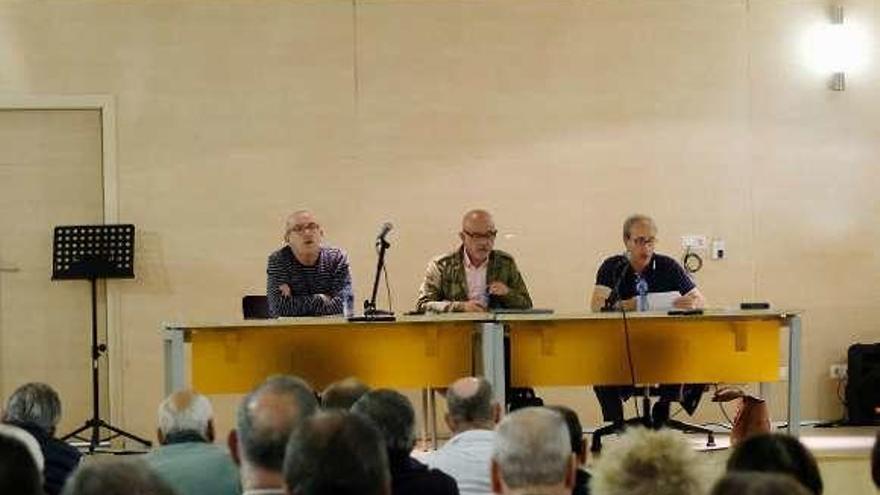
329, 276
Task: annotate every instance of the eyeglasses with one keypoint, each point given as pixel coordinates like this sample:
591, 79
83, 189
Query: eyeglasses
480, 236
644, 241
299, 229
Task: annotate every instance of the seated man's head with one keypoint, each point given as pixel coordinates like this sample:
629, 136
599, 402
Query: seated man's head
478, 235
35, 404
303, 233
185, 416
753, 483
393, 414
115, 476
777, 454
575, 432
471, 406
647, 462
343, 394
639, 237
337, 453
532, 454
264, 421
19, 472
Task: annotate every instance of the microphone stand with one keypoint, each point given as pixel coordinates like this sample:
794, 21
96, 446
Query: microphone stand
370, 311
612, 298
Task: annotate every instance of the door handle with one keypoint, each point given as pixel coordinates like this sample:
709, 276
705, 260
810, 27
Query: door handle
9, 269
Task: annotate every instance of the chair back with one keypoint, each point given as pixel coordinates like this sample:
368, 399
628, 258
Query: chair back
255, 307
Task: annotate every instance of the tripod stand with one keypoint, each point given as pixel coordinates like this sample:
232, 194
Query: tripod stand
90, 252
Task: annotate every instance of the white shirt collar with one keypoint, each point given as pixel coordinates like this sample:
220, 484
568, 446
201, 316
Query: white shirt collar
470, 264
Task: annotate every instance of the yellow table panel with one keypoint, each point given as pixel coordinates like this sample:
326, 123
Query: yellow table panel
395, 355
664, 350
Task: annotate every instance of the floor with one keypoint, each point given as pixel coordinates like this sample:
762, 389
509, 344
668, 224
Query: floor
843, 454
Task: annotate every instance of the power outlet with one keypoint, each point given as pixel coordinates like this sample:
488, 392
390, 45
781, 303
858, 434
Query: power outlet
694, 242
837, 371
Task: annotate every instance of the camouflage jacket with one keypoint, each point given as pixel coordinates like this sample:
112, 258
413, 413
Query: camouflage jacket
445, 284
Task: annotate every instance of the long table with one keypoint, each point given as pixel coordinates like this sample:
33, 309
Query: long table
545, 350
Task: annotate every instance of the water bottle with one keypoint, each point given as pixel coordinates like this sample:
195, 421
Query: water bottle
348, 304
641, 294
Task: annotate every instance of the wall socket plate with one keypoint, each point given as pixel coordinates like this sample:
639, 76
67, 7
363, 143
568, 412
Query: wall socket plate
837, 371
694, 242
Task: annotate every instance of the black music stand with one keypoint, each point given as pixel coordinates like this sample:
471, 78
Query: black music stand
90, 252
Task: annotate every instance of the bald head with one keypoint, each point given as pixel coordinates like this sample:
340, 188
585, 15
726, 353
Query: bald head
532, 451
185, 411
477, 218
268, 415
303, 234
470, 405
294, 218
478, 235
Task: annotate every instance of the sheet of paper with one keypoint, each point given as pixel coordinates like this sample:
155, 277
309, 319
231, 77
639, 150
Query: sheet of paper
662, 301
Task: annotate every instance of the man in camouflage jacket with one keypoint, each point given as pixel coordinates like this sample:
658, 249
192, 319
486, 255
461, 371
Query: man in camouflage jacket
475, 277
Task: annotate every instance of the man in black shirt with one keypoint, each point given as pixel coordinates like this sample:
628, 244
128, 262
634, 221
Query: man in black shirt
618, 274
392, 413
616, 288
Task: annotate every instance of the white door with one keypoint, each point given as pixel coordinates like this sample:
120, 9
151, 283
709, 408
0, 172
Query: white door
50, 174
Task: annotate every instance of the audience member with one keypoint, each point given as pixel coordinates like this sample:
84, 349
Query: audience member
532, 454
116, 477
471, 419
336, 453
343, 394
777, 453
393, 414
29, 441
647, 462
578, 447
187, 459
19, 474
36, 408
265, 419
751, 483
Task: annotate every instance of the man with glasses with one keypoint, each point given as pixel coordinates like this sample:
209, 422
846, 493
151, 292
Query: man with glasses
475, 277
616, 288
305, 277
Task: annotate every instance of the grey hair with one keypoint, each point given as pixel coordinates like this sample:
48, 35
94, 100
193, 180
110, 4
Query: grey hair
474, 408
34, 403
192, 414
393, 414
647, 462
634, 219
116, 477
532, 448
263, 444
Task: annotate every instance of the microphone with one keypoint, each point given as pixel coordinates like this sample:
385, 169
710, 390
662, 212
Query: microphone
620, 274
383, 231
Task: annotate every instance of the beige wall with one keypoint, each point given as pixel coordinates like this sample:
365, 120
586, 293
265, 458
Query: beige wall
560, 116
